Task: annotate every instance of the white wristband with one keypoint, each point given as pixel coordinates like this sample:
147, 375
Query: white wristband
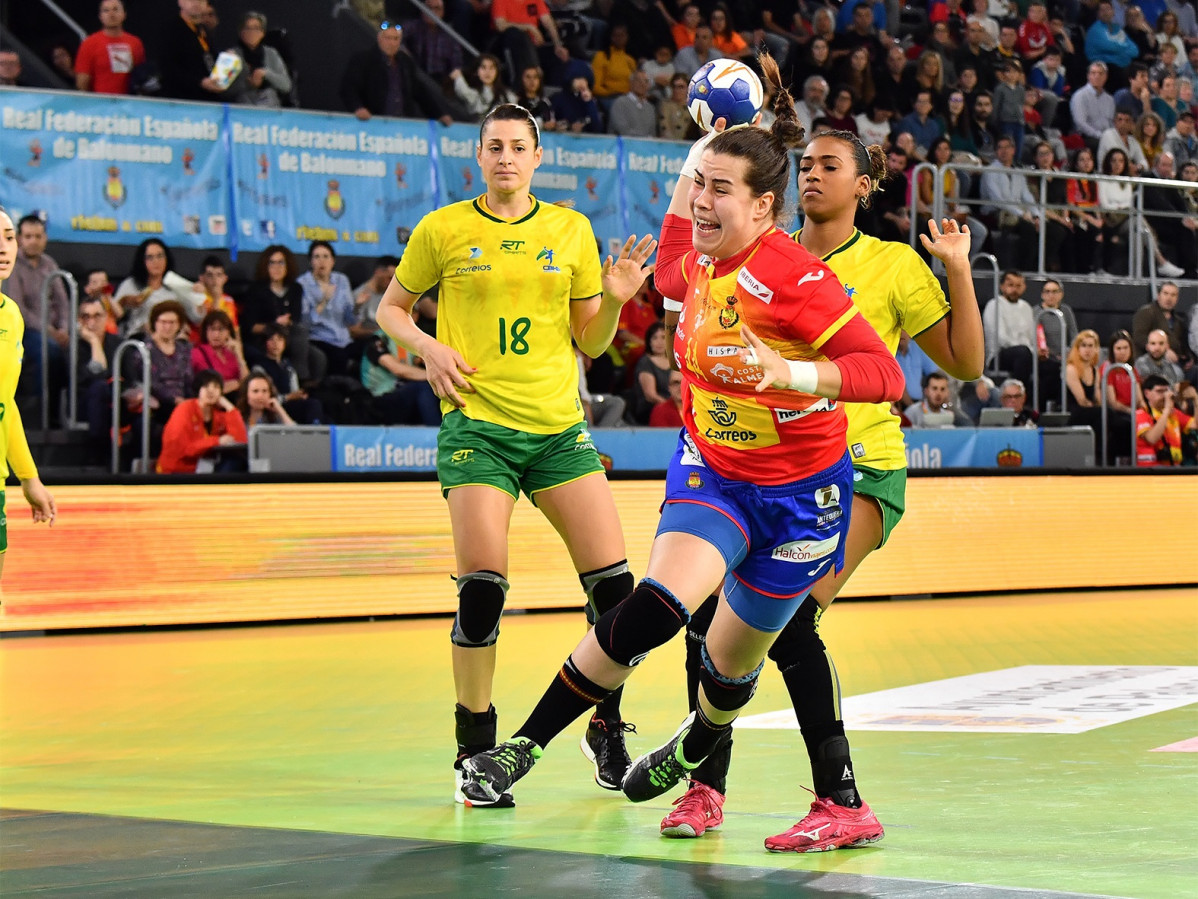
671, 305
691, 166
804, 376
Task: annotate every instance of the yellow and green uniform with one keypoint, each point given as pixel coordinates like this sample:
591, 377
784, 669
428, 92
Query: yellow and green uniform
504, 304
14, 448
895, 291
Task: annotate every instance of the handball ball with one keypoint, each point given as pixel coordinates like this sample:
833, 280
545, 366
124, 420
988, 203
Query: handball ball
724, 88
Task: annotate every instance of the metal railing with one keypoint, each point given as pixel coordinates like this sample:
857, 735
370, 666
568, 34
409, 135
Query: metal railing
1106, 377
992, 261
1060, 316
73, 336
144, 352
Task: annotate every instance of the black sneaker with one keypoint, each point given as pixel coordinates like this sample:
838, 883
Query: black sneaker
489, 776
656, 772
603, 745
505, 800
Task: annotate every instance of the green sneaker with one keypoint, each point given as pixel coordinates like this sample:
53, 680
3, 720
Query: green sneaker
656, 772
491, 774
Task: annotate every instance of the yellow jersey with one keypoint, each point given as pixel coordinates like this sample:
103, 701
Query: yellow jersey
14, 448
504, 304
895, 291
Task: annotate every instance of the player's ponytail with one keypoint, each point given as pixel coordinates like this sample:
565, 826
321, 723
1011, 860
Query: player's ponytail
766, 152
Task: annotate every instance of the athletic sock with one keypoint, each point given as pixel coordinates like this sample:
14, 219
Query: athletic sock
812, 687
609, 709
703, 737
569, 695
713, 770
474, 731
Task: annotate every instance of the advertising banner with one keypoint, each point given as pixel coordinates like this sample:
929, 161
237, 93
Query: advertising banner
299, 177
974, 447
650, 172
115, 170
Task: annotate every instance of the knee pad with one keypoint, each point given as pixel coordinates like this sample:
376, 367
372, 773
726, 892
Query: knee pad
481, 595
700, 623
605, 588
728, 694
644, 621
800, 638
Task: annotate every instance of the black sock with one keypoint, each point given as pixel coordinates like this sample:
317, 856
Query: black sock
474, 731
714, 769
609, 709
569, 695
703, 737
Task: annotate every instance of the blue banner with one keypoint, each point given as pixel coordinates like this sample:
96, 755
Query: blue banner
457, 167
300, 177
974, 448
115, 170
584, 171
649, 174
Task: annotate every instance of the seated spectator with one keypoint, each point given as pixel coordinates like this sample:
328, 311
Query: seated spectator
1082, 196
575, 108
1108, 43
1053, 333
1155, 360
367, 297
936, 398
1167, 65
1168, 30
941, 153
978, 50
399, 384
170, 375
1181, 141
633, 114
674, 121
1139, 31
10, 69
915, 364
1013, 396
1123, 397
724, 36
219, 350
30, 273
96, 286
1175, 230
484, 89
260, 403
1034, 35
811, 106
865, 27
213, 279
985, 136
1082, 394
941, 43
152, 280
434, 50
1161, 427
276, 298
93, 378
688, 59
971, 397
531, 95
299, 405
652, 374
1115, 200
1150, 135
1122, 136
921, 124
1136, 98
613, 68
839, 114
383, 81
855, 73
669, 413
107, 57
198, 426
186, 58
1010, 204
1009, 99
601, 410
889, 217
637, 316
1093, 109
263, 79
328, 306
1010, 328
1161, 314
683, 30
1167, 104
660, 69
1058, 223
874, 125
528, 35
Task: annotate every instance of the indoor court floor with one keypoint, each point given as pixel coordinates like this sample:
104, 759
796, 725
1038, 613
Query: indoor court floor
1051, 753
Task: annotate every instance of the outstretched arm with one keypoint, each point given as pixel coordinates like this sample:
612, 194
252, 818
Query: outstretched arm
593, 322
955, 343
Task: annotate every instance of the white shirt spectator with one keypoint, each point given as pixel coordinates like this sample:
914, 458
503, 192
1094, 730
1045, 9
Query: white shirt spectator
1008, 324
1112, 139
1093, 112
1007, 190
870, 131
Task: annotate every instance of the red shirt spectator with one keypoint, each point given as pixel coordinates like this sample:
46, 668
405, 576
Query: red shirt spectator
106, 58
1160, 426
188, 436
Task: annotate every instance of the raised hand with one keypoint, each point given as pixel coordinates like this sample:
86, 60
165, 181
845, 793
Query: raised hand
949, 244
623, 277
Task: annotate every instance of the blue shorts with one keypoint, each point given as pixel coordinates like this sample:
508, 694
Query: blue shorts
777, 541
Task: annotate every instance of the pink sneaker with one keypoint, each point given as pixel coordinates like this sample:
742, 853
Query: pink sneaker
697, 810
829, 826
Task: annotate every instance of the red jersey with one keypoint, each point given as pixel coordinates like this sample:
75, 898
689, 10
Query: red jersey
519, 12
109, 60
1170, 442
796, 305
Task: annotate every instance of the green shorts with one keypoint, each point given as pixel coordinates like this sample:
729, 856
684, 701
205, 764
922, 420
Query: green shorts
3, 523
889, 489
478, 452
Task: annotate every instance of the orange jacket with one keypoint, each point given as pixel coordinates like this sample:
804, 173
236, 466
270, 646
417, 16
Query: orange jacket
185, 438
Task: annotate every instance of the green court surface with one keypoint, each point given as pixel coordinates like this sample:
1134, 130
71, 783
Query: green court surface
315, 760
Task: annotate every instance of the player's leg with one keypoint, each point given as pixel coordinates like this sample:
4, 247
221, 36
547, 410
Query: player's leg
584, 513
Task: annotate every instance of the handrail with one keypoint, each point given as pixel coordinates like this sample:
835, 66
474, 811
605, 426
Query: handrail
447, 28
144, 352
73, 336
1036, 368
66, 19
1106, 377
934, 171
993, 260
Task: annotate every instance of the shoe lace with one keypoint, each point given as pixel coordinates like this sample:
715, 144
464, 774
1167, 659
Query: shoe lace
615, 731
666, 771
513, 757
696, 799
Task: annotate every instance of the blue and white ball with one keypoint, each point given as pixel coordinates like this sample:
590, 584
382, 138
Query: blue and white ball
724, 88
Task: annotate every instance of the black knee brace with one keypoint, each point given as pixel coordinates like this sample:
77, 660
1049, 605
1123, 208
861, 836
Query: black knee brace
644, 621
728, 694
605, 588
800, 637
480, 603
696, 635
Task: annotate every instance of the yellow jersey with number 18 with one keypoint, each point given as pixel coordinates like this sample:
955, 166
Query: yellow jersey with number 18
504, 304
13, 446
896, 291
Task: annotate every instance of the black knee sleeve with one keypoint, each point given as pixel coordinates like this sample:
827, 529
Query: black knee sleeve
696, 636
605, 588
728, 694
800, 637
644, 621
481, 595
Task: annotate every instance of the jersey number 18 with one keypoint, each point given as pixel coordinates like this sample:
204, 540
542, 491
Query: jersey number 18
519, 330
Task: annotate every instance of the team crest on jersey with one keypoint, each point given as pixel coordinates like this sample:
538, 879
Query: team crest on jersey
546, 254
753, 286
729, 317
827, 497
721, 414
693, 481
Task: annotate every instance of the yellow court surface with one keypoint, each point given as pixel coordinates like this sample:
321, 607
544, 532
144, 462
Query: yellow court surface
314, 759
